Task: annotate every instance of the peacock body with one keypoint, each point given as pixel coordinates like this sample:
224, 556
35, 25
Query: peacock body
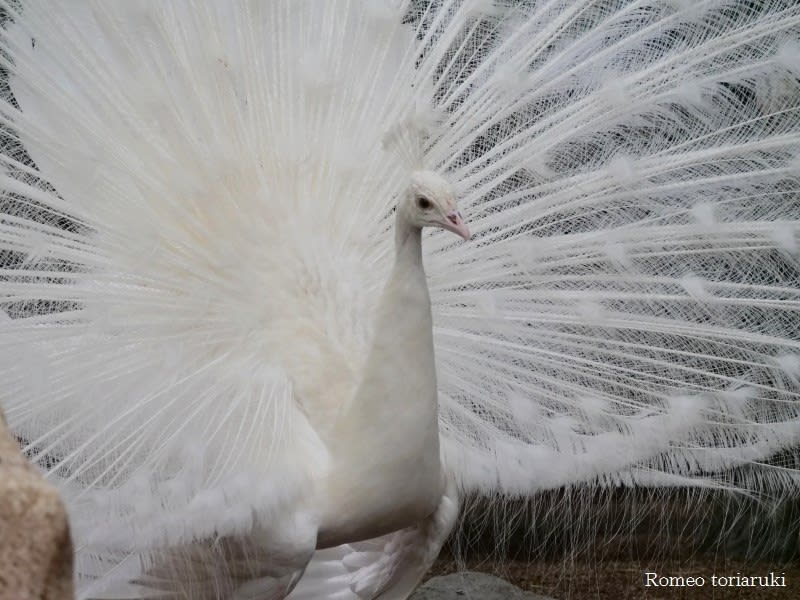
220, 343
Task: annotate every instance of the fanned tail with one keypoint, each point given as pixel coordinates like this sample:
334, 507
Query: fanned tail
196, 203
627, 310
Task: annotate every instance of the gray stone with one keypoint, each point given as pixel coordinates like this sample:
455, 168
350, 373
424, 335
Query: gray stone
471, 586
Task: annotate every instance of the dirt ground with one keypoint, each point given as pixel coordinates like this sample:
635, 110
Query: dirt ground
616, 580
574, 545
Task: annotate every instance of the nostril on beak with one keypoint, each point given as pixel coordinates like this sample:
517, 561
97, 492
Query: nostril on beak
453, 218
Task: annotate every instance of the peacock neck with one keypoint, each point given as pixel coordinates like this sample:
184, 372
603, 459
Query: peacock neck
386, 473
407, 246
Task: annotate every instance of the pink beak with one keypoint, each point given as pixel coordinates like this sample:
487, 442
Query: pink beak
456, 224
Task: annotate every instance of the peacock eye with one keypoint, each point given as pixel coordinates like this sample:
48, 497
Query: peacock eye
423, 203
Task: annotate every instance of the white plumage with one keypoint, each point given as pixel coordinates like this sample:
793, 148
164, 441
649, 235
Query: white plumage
197, 232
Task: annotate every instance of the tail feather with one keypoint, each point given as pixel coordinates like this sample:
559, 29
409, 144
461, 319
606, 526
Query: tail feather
196, 204
627, 303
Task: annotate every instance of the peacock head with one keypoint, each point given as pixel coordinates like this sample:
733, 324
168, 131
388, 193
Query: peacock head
432, 203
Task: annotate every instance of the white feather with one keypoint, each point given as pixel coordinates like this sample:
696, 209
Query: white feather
196, 229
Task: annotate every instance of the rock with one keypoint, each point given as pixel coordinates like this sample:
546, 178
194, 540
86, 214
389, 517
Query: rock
36, 555
471, 586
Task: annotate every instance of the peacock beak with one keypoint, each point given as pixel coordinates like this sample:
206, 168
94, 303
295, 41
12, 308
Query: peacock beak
455, 223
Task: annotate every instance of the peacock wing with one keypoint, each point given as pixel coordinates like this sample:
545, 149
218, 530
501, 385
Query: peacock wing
262, 564
386, 568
